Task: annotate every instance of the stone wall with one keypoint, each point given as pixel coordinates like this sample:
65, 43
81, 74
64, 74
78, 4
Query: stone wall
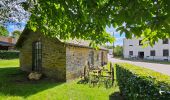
77, 58
54, 59
53, 56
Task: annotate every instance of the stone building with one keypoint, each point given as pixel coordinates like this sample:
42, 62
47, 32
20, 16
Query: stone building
57, 59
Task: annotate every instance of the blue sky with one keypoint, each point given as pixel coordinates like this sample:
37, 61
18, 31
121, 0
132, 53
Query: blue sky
15, 26
119, 39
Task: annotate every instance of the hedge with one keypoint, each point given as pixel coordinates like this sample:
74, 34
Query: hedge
137, 83
9, 54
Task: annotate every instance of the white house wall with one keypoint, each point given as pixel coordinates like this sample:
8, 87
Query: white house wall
158, 47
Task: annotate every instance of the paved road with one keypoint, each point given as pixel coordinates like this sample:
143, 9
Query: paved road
162, 68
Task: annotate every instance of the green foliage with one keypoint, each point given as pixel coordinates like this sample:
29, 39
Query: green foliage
118, 51
16, 33
3, 31
137, 83
9, 54
87, 19
108, 47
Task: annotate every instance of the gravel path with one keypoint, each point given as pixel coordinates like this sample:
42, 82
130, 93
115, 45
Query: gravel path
162, 68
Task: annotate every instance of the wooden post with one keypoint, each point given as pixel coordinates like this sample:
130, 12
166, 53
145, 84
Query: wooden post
112, 72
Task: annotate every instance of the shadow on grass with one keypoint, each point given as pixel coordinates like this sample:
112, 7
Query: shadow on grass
116, 96
82, 81
14, 82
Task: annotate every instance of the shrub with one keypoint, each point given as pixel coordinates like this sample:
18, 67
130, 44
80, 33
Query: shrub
138, 83
118, 51
9, 54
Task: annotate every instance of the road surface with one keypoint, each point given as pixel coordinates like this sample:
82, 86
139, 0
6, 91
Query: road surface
162, 68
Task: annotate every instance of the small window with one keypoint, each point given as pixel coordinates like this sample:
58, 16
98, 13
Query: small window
130, 45
166, 52
36, 56
165, 41
91, 55
152, 53
97, 57
131, 53
140, 42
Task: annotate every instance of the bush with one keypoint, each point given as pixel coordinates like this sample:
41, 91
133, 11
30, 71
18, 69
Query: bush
118, 51
9, 54
137, 83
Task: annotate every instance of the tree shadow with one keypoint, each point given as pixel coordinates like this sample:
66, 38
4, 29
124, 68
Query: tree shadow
14, 82
116, 96
82, 81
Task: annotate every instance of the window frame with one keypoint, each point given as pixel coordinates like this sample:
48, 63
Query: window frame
37, 56
140, 42
165, 41
167, 53
152, 54
130, 53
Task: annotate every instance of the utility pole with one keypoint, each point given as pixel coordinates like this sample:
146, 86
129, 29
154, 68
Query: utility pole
113, 46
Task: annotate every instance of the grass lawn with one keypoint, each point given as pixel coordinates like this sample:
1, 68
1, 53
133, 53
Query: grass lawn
150, 61
14, 85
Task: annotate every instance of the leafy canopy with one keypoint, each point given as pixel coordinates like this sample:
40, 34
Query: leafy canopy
3, 31
87, 19
16, 33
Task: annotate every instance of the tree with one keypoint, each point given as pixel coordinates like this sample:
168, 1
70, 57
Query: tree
87, 19
118, 51
3, 31
108, 46
16, 33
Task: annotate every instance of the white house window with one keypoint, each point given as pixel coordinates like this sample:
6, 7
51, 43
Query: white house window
152, 53
131, 53
165, 52
140, 42
165, 41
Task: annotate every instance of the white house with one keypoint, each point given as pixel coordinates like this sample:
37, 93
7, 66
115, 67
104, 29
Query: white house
133, 48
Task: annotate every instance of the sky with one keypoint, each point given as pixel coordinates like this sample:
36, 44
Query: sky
119, 39
13, 26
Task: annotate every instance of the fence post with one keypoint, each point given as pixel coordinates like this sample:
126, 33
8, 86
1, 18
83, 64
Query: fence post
112, 72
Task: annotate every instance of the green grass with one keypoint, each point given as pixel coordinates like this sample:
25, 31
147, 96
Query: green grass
14, 85
150, 61
9, 63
